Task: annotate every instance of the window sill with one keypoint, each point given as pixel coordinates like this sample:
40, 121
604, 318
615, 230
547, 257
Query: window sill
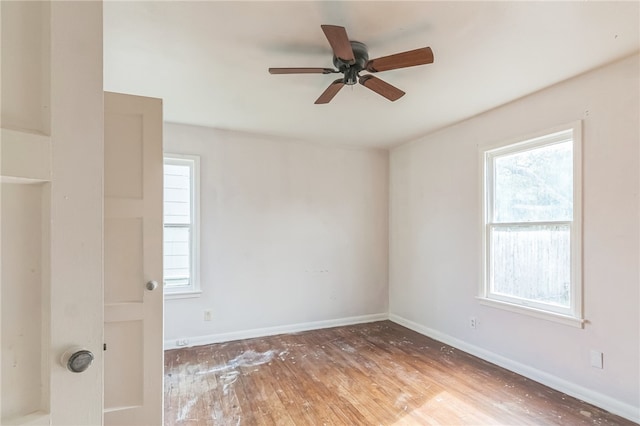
187, 294
537, 313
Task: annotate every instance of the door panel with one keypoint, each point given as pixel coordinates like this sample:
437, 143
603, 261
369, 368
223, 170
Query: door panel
123, 260
124, 383
133, 361
124, 150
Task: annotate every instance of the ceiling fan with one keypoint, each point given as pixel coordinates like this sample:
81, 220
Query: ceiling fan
352, 57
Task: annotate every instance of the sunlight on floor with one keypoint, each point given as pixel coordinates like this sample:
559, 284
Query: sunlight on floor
440, 409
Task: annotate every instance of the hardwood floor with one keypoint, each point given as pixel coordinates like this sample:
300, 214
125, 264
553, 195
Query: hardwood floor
368, 374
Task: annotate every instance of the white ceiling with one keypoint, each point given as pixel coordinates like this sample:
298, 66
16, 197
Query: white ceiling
209, 60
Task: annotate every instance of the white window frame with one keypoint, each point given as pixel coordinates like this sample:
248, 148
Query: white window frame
193, 288
574, 314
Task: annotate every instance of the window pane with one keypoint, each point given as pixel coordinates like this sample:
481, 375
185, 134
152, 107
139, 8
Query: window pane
532, 262
177, 194
177, 255
534, 185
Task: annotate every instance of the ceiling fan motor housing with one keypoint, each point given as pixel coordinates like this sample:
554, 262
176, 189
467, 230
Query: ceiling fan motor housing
351, 71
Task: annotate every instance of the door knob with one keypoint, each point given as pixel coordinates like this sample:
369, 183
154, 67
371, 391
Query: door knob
152, 285
77, 360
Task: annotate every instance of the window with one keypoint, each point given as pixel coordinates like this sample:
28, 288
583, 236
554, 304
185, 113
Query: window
532, 225
181, 193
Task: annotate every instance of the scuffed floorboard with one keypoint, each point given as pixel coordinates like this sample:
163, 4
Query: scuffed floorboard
368, 374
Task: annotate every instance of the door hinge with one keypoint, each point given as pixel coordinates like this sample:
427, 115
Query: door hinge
104, 346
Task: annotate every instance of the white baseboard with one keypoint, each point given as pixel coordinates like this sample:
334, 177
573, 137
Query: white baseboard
272, 331
598, 399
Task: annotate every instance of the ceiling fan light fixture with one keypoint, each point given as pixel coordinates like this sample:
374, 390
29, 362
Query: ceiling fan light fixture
352, 57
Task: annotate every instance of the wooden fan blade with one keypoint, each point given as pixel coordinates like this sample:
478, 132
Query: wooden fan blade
381, 87
331, 91
301, 70
339, 41
410, 58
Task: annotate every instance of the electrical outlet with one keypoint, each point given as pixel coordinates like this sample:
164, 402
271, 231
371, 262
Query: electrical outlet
182, 342
596, 359
208, 315
473, 323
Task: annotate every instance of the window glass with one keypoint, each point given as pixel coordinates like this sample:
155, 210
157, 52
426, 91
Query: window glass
177, 258
535, 185
177, 194
532, 263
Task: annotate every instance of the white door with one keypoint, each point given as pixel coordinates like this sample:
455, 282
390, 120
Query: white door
133, 310
51, 144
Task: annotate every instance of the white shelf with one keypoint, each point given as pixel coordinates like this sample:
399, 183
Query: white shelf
25, 157
33, 419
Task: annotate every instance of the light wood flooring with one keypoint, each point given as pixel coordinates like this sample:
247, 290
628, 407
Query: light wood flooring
368, 374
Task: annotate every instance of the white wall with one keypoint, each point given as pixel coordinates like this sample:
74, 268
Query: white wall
292, 235
435, 239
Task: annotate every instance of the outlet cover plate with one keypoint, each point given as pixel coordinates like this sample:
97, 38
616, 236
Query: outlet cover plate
596, 359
